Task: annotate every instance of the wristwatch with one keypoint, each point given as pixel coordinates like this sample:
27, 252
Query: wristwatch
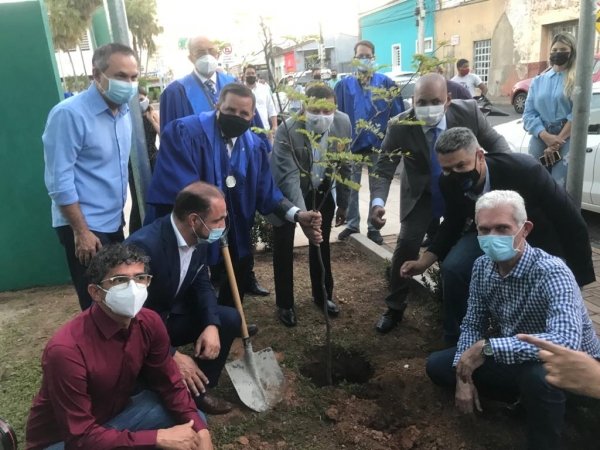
297, 216
487, 349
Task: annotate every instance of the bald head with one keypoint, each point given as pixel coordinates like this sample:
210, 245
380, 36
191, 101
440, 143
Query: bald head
196, 198
430, 90
199, 46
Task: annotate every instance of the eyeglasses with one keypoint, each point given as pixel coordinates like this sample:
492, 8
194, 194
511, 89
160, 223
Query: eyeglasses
122, 281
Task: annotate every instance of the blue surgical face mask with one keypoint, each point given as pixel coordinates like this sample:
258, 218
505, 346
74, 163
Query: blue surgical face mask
213, 235
499, 248
118, 91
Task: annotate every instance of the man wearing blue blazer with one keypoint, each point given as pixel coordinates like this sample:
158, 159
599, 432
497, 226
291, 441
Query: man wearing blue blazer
181, 291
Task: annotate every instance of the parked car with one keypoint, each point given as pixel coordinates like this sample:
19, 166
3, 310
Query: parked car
518, 140
405, 81
521, 88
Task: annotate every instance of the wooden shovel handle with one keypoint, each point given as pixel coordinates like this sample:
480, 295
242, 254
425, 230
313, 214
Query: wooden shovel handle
234, 288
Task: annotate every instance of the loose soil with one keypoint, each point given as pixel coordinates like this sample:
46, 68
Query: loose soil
393, 406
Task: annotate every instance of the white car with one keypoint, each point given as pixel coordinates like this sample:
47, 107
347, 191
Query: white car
518, 140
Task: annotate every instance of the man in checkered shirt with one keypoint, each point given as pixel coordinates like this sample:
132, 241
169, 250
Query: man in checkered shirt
514, 289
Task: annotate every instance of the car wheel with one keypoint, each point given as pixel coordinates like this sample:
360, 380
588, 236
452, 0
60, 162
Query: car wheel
519, 102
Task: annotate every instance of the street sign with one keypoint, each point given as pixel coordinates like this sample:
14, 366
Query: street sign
227, 50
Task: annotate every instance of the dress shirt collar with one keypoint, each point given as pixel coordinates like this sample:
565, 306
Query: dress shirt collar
98, 104
203, 79
107, 326
178, 236
442, 125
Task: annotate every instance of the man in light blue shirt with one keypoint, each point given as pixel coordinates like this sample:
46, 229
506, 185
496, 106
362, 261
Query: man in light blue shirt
86, 149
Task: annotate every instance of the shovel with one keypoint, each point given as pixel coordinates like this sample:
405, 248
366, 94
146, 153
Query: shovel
257, 377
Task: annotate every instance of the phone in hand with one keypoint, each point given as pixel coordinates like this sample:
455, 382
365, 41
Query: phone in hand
557, 158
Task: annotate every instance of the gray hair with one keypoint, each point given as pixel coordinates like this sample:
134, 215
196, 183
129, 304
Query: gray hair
113, 255
103, 54
493, 199
457, 138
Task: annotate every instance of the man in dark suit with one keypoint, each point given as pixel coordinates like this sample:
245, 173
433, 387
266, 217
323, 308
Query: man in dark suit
420, 198
181, 291
307, 184
469, 173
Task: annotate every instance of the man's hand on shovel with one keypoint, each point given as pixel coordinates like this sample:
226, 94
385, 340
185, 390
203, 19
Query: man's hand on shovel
193, 377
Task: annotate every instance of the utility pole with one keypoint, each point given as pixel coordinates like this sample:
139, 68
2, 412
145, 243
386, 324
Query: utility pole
321, 47
420, 14
582, 96
140, 164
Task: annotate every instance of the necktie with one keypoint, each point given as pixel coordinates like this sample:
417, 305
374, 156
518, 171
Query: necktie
210, 85
437, 201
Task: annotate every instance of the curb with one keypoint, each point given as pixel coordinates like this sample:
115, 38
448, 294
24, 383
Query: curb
378, 253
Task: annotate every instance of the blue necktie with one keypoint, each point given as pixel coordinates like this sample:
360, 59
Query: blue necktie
437, 201
210, 85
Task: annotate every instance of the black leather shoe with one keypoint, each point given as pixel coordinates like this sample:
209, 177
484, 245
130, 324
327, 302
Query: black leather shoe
345, 234
253, 288
287, 316
213, 405
389, 320
375, 236
332, 309
252, 329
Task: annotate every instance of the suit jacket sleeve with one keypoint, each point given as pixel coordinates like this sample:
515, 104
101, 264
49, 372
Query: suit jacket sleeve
488, 138
572, 230
284, 167
205, 299
386, 163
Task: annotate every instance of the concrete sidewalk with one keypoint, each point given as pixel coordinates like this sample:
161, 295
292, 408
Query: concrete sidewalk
591, 293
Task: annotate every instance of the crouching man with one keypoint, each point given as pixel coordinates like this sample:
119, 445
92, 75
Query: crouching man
514, 289
92, 364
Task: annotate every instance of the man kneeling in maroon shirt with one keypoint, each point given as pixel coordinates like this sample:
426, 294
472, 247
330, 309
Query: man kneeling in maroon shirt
92, 365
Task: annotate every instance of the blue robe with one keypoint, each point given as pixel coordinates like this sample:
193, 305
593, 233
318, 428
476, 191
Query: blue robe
192, 149
357, 102
187, 96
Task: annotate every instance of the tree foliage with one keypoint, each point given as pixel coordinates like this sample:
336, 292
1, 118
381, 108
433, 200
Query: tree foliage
143, 24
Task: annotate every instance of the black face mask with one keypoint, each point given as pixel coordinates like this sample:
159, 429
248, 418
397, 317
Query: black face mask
466, 180
559, 58
316, 77
232, 125
334, 76
250, 79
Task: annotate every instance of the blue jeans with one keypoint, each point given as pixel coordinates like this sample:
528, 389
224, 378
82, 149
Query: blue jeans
353, 215
558, 170
144, 412
544, 404
456, 276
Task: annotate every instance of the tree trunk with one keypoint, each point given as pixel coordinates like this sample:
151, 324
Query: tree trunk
147, 60
82, 61
71, 61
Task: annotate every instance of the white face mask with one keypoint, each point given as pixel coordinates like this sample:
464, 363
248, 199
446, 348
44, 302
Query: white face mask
144, 104
431, 115
206, 65
318, 123
128, 301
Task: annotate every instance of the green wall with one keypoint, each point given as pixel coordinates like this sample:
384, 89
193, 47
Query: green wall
30, 254
101, 28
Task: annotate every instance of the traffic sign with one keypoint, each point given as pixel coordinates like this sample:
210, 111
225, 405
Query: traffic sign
227, 50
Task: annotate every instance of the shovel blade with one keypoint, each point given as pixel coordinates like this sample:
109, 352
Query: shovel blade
257, 379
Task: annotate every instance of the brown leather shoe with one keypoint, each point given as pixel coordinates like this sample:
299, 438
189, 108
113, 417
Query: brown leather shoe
213, 405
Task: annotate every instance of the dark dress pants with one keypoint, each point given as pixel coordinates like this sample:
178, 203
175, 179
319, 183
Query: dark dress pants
408, 244
77, 270
545, 404
184, 329
241, 269
283, 256
456, 272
